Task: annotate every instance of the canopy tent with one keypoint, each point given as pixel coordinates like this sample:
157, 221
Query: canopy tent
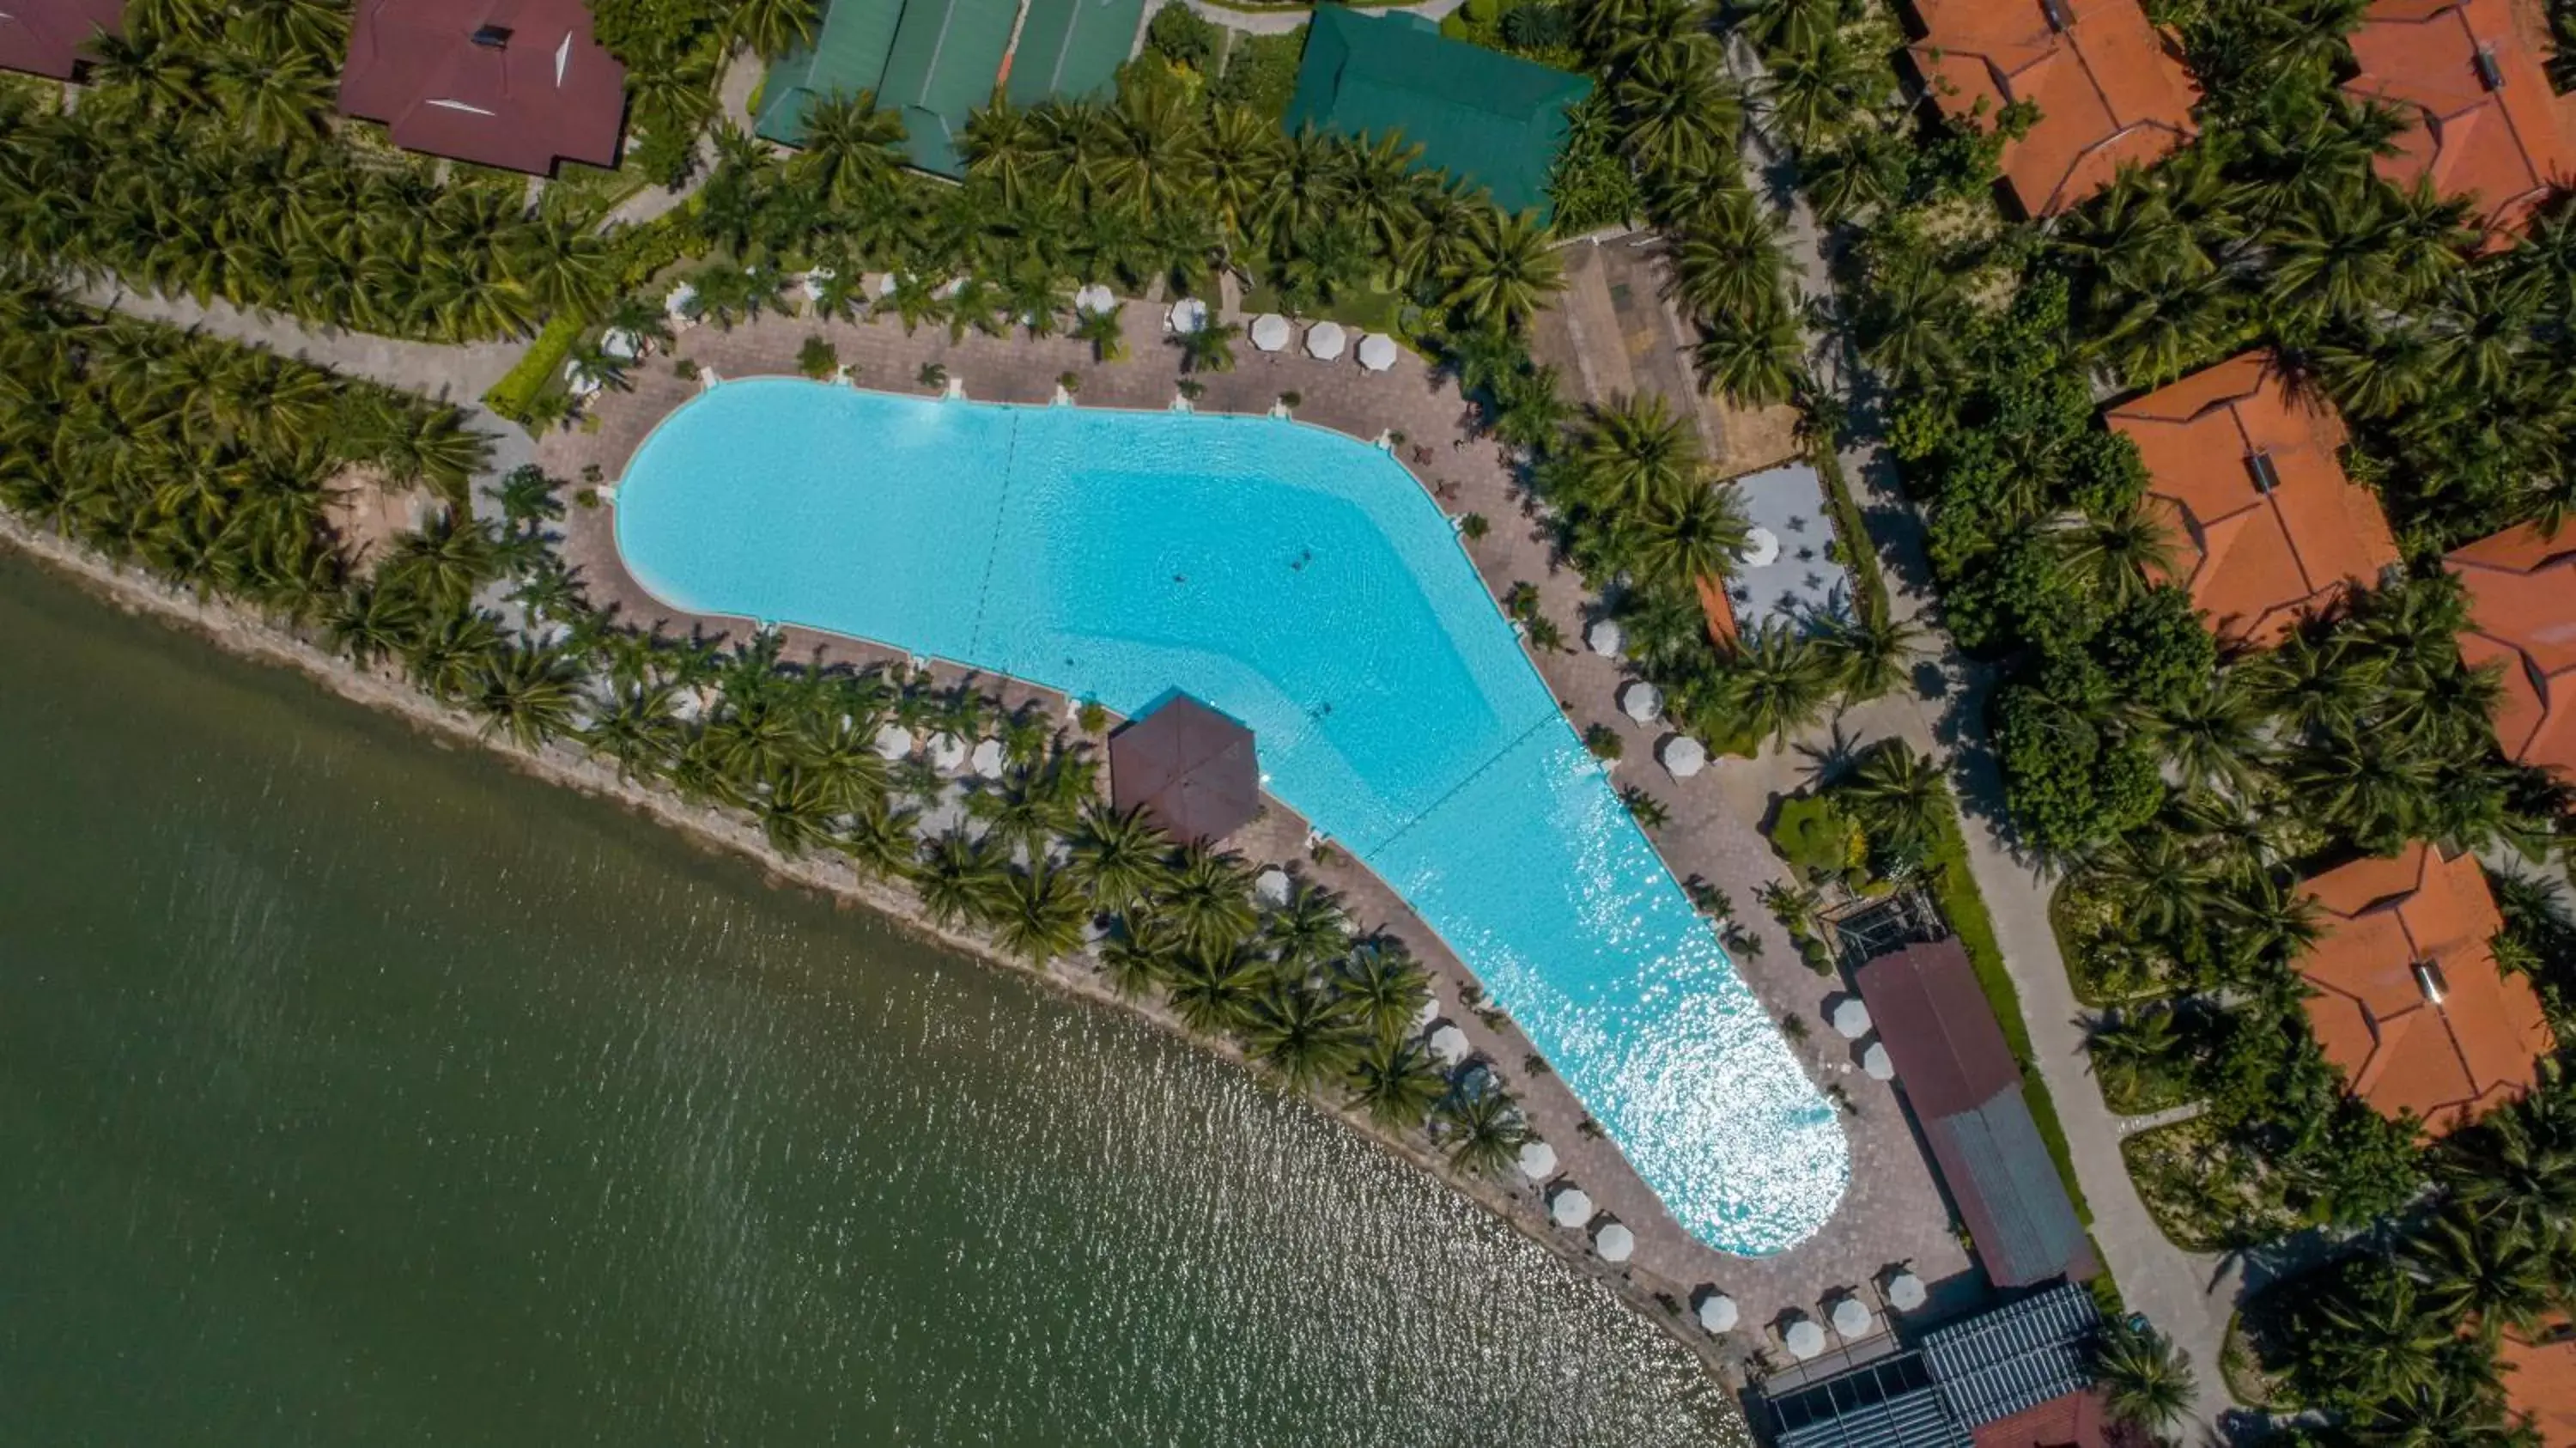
1717, 1313
1270, 331
1570, 1206
1615, 1243
1537, 1160
1377, 352
1189, 767
1325, 341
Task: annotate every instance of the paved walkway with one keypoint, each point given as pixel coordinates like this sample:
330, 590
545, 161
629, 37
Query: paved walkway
1280, 20
2189, 1296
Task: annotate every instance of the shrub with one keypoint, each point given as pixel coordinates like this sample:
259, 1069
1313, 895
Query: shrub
1817, 839
1178, 35
1604, 743
1475, 526
818, 358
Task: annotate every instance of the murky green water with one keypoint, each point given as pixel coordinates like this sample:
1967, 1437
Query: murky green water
355, 1092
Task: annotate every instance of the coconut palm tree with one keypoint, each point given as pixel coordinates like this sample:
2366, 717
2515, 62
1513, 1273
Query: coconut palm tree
774, 27
1308, 929
1385, 985
1634, 450
959, 880
2492, 1273
1871, 649
1900, 797
1755, 361
851, 148
1726, 258
1501, 270
1207, 899
1119, 857
880, 840
1397, 1083
1039, 914
2145, 1380
1778, 683
370, 623
1210, 348
2120, 552
1482, 1130
1697, 533
1216, 990
1308, 1036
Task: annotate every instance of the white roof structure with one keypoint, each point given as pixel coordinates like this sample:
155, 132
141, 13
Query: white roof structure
1804, 1338
1271, 885
1853, 1319
1683, 756
1377, 352
1450, 1044
1850, 1018
947, 753
1325, 341
1270, 331
1876, 1063
1641, 701
1905, 1292
1605, 637
1570, 1206
988, 759
1189, 314
1615, 1243
1761, 548
893, 742
1538, 1160
1095, 299
1718, 1313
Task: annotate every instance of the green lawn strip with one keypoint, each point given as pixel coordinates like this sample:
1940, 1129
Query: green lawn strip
1860, 556
1956, 892
536, 368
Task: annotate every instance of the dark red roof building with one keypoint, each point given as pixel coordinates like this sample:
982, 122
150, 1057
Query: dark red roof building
518, 84
51, 37
1190, 768
1959, 1076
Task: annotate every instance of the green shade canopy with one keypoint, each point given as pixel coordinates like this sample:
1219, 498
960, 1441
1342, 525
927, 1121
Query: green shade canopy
933, 62
1488, 119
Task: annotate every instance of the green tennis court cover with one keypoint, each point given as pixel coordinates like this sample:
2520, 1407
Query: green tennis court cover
1487, 118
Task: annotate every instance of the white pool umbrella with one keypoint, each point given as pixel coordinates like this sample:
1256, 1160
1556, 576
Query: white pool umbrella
1377, 352
1804, 1338
1853, 1319
1683, 756
1640, 700
1538, 1160
1761, 548
1271, 885
988, 759
886, 285
579, 382
1450, 1044
1325, 341
893, 742
1615, 1243
1570, 1207
1095, 299
1876, 1063
817, 280
621, 344
681, 301
1429, 1012
1905, 1292
1605, 637
1189, 314
1717, 1313
947, 753
1851, 1018
1270, 331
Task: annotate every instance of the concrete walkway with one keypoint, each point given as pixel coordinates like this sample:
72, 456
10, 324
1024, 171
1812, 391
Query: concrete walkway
458, 374
2189, 1296
1282, 19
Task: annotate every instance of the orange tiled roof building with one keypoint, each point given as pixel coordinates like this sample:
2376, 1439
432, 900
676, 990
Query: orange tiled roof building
2486, 126
2266, 528
2408, 999
2522, 609
2110, 91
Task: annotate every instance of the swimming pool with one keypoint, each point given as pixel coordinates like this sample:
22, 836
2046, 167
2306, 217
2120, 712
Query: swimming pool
1305, 584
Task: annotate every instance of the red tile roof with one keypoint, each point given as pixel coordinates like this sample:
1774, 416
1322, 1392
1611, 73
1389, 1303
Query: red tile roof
2074, 1420
2109, 89
2255, 562
2540, 1383
540, 88
2447, 1062
51, 37
2522, 607
2503, 146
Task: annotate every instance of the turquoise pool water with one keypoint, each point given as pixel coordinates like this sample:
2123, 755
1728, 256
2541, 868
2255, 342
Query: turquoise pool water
1305, 584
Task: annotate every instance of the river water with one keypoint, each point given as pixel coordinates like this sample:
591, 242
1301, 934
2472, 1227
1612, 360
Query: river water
354, 1091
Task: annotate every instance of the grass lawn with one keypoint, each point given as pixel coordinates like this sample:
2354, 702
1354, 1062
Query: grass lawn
1370, 311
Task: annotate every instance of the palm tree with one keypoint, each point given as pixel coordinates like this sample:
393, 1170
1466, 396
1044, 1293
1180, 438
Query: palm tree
2145, 1380
1681, 111
774, 27
1307, 929
1635, 450
850, 148
1685, 539
1385, 985
1397, 1083
1135, 958
1207, 899
1039, 914
1119, 857
2121, 553
1304, 1034
2214, 734
1756, 361
880, 841
369, 623
959, 879
2489, 1272
1871, 650
1501, 270
1208, 349
1483, 1130
1726, 261
1900, 798
1215, 991
2368, 1337
1778, 683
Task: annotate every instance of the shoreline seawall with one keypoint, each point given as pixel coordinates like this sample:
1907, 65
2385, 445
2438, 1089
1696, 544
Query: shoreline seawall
245, 634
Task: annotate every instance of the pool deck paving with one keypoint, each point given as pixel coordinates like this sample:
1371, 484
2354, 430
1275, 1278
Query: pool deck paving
1892, 1212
